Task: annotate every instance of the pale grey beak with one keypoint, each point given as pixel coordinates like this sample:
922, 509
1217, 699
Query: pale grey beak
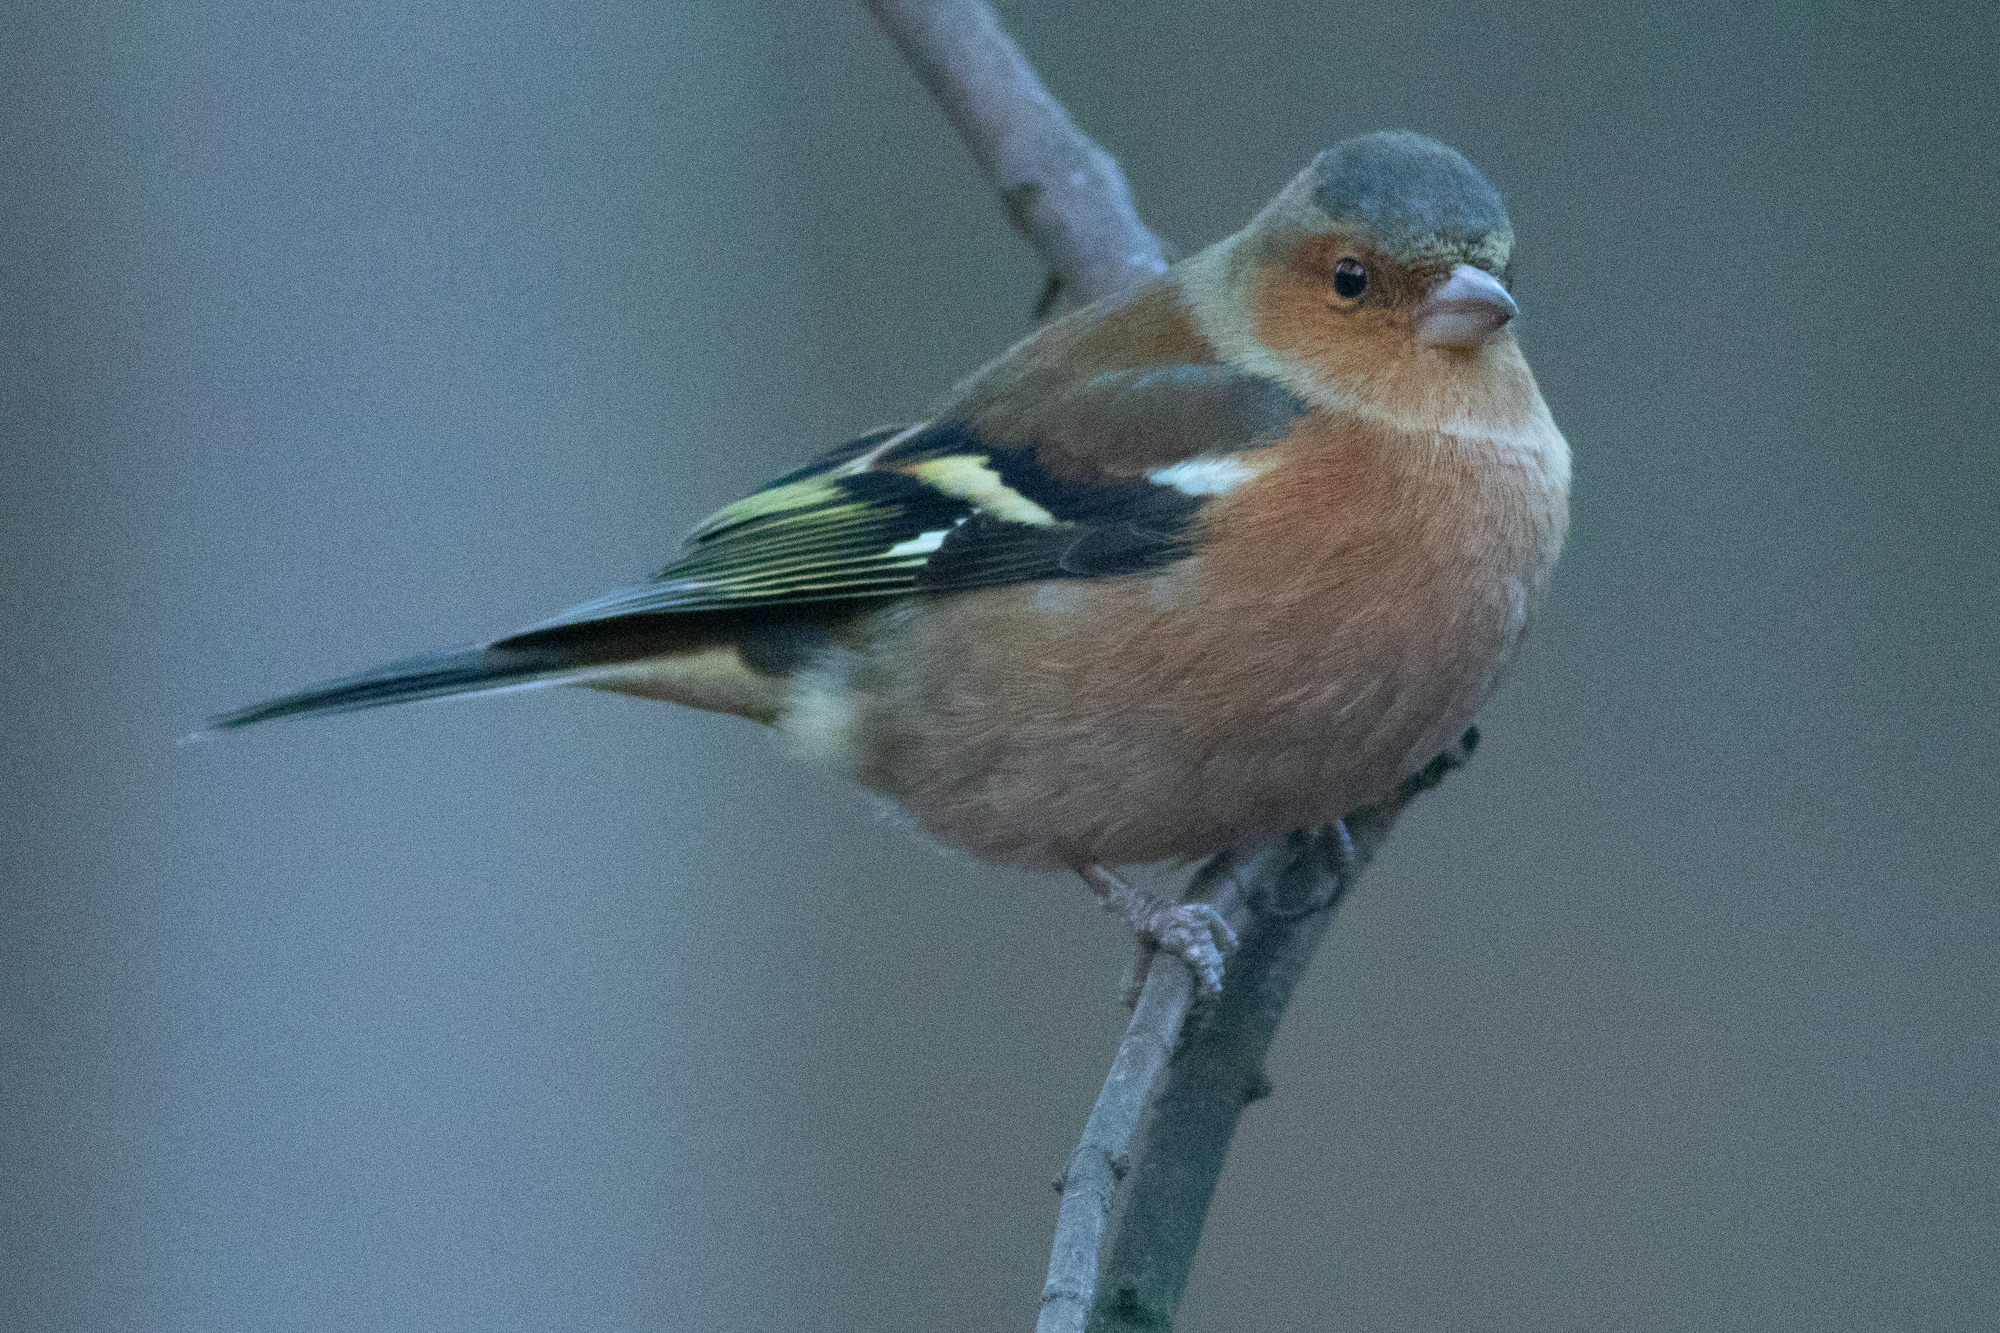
1466, 312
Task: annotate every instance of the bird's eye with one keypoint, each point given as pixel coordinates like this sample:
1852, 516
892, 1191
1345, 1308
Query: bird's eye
1349, 278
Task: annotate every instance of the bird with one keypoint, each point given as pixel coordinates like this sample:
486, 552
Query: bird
1231, 552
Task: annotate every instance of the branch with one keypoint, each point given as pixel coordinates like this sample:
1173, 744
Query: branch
1103, 1156
1131, 1217
1062, 191
1280, 901
1152, 1200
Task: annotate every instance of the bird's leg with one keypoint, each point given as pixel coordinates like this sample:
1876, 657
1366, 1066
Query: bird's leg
1193, 932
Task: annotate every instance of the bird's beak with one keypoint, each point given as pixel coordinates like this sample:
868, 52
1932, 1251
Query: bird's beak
1466, 312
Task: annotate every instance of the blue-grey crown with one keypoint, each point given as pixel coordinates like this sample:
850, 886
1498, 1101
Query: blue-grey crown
1411, 194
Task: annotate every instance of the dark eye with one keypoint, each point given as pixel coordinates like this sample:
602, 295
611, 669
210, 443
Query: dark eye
1349, 278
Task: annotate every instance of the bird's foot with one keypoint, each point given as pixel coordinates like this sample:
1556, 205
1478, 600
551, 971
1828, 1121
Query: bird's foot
1195, 933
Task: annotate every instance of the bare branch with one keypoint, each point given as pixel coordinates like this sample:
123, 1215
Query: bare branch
1102, 1158
1064, 192
1280, 901
1131, 1217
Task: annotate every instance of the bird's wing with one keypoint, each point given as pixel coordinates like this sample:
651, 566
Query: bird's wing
955, 504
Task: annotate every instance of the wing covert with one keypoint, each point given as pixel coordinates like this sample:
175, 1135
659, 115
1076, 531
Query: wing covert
956, 504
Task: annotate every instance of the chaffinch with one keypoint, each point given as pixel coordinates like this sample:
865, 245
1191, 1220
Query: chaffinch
1231, 552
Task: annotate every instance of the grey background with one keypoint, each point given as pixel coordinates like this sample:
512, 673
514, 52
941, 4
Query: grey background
337, 333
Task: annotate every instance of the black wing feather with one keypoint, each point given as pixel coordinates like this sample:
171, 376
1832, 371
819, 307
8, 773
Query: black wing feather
874, 518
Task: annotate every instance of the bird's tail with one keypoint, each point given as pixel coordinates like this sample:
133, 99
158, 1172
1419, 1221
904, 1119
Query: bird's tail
658, 655
486, 670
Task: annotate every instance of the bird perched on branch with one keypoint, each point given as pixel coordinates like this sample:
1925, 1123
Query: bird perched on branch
1230, 553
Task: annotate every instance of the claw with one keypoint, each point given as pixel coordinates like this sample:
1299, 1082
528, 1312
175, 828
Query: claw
1197, 935
1193, 932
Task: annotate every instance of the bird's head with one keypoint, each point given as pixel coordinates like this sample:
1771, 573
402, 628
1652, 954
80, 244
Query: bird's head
1379, 274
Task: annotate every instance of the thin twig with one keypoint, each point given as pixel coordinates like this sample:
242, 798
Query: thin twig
1131, 1217
1064, 192
1091, 1178
1280, 902
1103, 1155
1123, 1254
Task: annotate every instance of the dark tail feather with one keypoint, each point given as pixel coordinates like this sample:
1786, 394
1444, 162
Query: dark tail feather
469, 671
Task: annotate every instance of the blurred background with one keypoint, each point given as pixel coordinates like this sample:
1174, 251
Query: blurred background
333, 334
